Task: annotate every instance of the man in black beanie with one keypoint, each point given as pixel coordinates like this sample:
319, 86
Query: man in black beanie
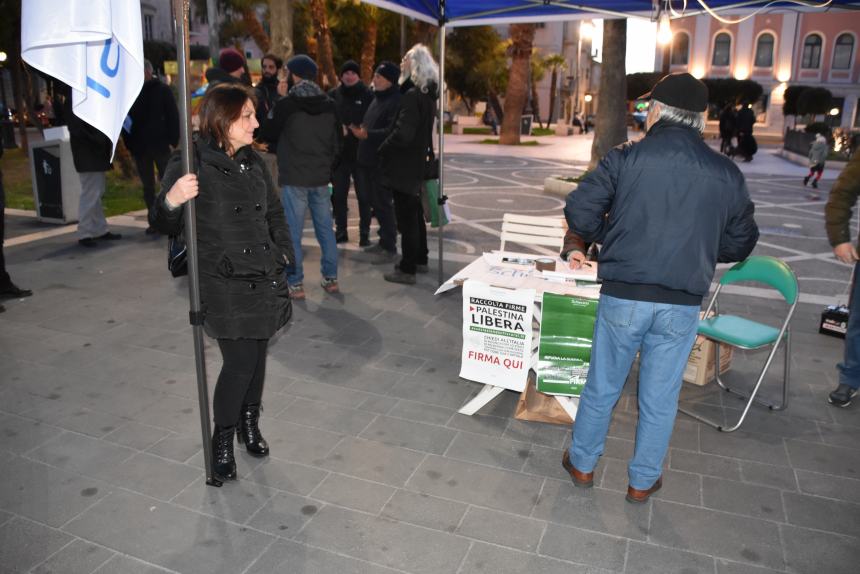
371, 133
352, 98
675, 208
305, 126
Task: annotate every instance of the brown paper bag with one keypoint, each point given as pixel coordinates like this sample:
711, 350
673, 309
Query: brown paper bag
538, 407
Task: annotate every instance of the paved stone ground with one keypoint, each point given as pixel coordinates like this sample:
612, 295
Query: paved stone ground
372, 469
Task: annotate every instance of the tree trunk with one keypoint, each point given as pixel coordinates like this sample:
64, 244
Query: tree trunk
15, 63
319, 14
536, 104
553, 84
611, 124
281, 27
30, 96
249, 16
424, 33
522, 37
368, 46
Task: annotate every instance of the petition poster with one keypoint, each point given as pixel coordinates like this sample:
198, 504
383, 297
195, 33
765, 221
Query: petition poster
497, 334
564, 352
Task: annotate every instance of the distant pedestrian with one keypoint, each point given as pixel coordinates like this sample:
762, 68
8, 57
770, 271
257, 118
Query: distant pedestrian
308, 134
837, 214
352, 98
153, 130
371, 133
404, 155
488, 118
8, 290
91, 152
818, 151
728, 126
747, 146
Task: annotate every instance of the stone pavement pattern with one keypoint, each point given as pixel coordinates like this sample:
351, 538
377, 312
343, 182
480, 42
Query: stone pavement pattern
372, 469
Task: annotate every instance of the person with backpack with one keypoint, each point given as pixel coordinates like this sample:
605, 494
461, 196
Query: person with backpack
244, 245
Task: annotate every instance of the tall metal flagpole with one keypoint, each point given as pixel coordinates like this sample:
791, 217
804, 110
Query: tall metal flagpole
180, 15
442, 198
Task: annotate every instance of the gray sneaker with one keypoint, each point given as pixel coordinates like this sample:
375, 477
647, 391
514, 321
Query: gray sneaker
842, 396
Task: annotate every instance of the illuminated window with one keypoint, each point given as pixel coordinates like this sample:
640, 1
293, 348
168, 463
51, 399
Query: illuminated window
764, 51
722, 50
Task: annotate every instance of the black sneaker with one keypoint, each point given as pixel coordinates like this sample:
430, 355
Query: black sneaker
110, 236
815, 183
12, 291
805, 180
341, 236
842, 396
87, 242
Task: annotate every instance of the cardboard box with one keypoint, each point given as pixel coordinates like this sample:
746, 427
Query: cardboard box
700, 366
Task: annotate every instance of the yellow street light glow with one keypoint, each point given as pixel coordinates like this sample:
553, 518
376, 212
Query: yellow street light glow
586, 29
698, 72
588, 97
742, 73
834, 112
784, 76
2, 57
664, 30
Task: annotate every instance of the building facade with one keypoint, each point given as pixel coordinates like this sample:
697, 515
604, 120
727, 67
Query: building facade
777, 50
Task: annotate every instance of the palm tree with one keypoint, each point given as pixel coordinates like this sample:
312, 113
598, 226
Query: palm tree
611, 124
322, 34
522, 38
368, 46
556, 63
537, 73
281, 27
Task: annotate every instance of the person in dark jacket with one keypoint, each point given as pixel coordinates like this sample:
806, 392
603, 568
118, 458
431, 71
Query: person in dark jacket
153, 131
267, 87
371, 133
837, 214
8, 290
308, 134
244, 245
675, 208
747, 146
232, 69
267, 96
91, 153
404, 155
352, 98
728, 120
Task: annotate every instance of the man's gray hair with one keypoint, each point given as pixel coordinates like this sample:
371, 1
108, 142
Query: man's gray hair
695, 120
423, 69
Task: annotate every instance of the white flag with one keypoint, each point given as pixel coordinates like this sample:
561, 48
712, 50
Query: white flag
94, 46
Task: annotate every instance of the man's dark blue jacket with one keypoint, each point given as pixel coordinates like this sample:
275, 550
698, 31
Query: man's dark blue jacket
666, 209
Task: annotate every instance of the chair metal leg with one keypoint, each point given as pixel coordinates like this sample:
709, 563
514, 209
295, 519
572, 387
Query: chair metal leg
751, 397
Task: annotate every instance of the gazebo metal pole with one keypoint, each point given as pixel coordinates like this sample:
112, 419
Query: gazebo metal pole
440, 208
180, 20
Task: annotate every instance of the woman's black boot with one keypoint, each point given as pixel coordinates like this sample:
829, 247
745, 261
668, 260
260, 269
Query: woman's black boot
223, 462
249, 431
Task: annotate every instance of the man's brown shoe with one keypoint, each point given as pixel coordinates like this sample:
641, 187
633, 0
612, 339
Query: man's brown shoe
580, 479
637, 496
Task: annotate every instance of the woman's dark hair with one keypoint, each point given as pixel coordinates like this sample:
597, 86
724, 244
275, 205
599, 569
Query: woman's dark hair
221, 106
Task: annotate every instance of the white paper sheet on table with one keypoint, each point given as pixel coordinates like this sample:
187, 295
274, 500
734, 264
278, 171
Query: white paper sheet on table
489, 268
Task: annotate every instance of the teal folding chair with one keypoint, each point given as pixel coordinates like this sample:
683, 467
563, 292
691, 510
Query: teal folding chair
745, 334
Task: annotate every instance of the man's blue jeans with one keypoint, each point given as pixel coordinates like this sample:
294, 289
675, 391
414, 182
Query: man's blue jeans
296, 202
664, 335
849, 368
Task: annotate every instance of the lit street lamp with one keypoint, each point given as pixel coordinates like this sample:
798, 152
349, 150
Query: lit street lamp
586, 29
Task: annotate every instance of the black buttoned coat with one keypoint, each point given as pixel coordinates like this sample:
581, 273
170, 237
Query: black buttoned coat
243, 242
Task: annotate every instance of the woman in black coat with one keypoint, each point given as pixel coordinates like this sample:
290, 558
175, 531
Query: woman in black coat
244, 245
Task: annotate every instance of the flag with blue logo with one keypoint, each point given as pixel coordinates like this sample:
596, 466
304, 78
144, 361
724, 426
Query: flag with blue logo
94, 46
